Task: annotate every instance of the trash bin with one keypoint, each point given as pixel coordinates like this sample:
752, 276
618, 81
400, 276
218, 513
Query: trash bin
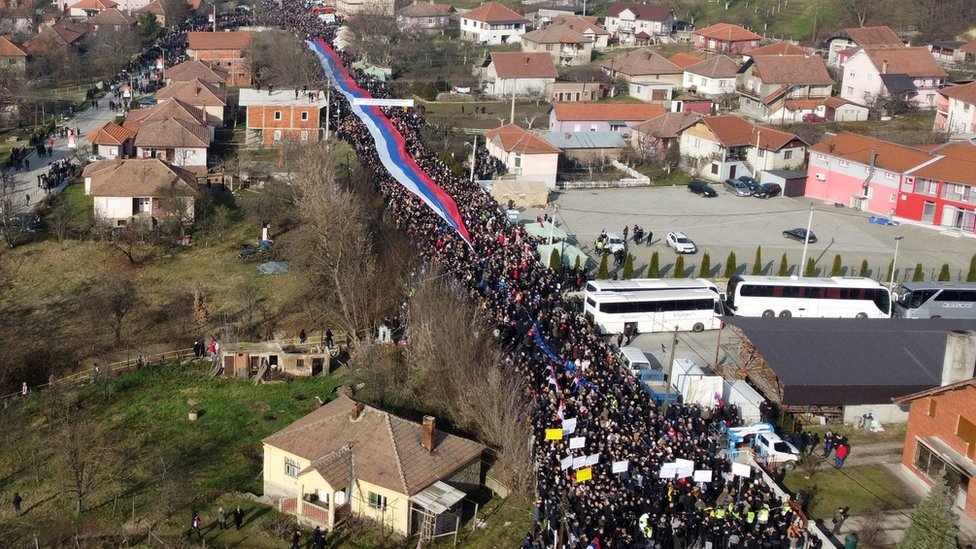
850, 541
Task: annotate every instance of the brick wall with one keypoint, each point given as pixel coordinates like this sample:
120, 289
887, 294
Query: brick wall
315, 513
288, 505
234, 62
943, 423
290, 123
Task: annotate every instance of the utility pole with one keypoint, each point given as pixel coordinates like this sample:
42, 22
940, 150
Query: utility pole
806, 242
215, 17
474, 148
328, 107
514, 87
667, 375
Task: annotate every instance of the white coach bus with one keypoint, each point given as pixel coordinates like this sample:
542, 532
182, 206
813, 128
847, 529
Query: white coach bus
936, 300
694, 309
636, 285
785, 296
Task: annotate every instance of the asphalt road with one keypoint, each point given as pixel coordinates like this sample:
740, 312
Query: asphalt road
729, 223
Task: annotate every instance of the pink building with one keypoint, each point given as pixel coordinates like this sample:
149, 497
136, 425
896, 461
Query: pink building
528, 157
956, 110
872, 73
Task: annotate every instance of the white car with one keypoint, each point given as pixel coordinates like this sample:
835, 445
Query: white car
775, 450
616, 243
681, 243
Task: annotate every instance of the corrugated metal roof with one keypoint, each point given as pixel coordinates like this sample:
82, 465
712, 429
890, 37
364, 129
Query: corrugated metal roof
585, 140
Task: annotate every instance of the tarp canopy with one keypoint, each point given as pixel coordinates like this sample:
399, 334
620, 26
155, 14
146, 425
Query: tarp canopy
544, 230
525, 194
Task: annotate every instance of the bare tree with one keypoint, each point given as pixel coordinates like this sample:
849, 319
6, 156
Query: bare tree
377, 36
862, 10
60, 218
84, 457
115, 296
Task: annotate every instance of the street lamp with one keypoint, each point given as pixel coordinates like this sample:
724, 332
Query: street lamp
894, 262
806, 243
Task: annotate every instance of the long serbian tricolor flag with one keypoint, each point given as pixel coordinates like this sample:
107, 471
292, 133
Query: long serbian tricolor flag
390, 144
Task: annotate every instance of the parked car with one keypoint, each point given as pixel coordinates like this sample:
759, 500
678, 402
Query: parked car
799, 235
702, 189
681, 243
768, 190
25, 222
147, 101
750, 181
95, 157
616, 243
813, 117
738, 188
775, 450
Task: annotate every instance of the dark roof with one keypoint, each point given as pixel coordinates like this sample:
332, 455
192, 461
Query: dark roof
907, 399
898, 83
788, 174
845, 361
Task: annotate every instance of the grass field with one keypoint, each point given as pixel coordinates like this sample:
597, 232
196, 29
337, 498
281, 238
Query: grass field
865, 489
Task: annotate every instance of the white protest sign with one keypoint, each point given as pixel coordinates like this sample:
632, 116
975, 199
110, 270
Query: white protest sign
621, 466
741, 470
668, 470
592, 460
703, 475
577, 442
579, 462
684, 462
566, 463
569, 426
685, 471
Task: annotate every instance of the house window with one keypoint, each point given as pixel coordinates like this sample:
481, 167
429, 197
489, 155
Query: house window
277, 115
714, 168
518, 160
377, 501
304, 136
305, 115
787, 155
932, 407
593, 127
929, 463
291, 467
850, 90
277, 135
299, 362
965, 107
967, 432
142, 204
844, 164
889, 176
760, 152
821, 158
891, 198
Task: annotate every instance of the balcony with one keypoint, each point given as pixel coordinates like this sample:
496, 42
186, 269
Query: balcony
751, 93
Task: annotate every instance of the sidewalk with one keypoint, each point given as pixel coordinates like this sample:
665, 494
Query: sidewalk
25, 182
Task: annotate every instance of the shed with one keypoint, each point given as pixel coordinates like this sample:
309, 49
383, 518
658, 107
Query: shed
248, 359
651, 90
587, 147
793, 182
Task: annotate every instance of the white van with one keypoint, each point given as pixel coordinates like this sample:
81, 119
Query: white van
633, 359
776, 451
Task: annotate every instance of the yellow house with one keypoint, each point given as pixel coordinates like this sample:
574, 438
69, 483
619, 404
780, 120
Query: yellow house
346, 457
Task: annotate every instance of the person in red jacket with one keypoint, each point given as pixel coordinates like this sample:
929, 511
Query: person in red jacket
841, 454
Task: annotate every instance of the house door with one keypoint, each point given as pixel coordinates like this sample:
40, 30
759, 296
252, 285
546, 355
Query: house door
962, 492
732, 171
857, 203
928, 213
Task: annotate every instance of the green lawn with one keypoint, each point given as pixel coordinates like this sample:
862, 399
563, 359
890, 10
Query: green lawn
864, 489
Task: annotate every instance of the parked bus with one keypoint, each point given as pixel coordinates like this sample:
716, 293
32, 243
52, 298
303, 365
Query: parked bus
637, 285
785, 296
693, 309
936, 300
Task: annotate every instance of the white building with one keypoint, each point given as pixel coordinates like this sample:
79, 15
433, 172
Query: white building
518, 73
126, 190
712, 77
492, 24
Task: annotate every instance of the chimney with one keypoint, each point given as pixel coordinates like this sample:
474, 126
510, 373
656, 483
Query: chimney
884, 67
960, 356
357, 408
527, 60
427, 435
198, 91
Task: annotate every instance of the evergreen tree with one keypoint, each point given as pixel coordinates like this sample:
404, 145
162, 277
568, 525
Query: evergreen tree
731, 266
864, 268
891, 268
811, 269
576, 264
933, 524
654, 268
757, 266
706, 266
971, 277
628, 268
784, 266
554, 263
837, 267
603, 273
944, 275
919, 274
679, 267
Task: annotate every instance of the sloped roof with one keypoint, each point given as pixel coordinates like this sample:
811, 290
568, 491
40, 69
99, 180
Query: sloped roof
643, 12
135, 177
195, 92
586, 140
915, 62
93, 5
685, 60
898, 83
385, 449
834, 102
69, 31
9, 49
641, 62
733, 131
902, 400
792, 70
965, 93
165, 110
191, 69
112, 16
720, 66
110, 134
776, 48
232, 40
556, 34
336, 468
421, 9
172, 133
446, 8
155, 7
493, 12
523, 65
874, 36
955, 163
583, 24
727, 32
513, 138
968, 47
857, 148
667, 125
606, 111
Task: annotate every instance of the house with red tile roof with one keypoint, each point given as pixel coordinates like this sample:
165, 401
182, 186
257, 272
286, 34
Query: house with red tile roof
425, 17
725, 38
600, 117
12, 56
202, 95
528, 157
643, 64
567, 45
193, 69
627, 20
685, 60
912, 73
85, 9
65, 35
859, 37
518, 73
656, 135
128, 190
968, 51
112, 140
112, 18
955, 111
767, 84
712, 77
227, 51
349, 459
776, 48
492, 24
568, 92
586, 25
717, 148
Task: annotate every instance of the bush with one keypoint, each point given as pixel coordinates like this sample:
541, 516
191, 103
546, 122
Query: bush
919, 274
944, 275
811, 269
757, 265
706, 266
679, 267
838, 266
864, 268
424, 90
784, 266
628, 268
971, 277
653, 268
603, 272
731, 265
554, 263
891, 270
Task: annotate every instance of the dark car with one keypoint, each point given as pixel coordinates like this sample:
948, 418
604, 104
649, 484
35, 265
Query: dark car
25, 222
750, 182
799, 234
768, 190
702, 189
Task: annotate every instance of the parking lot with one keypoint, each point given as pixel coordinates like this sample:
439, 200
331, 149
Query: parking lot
727, 223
